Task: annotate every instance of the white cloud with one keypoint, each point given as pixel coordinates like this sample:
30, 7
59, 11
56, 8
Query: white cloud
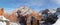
35, 2
56, 1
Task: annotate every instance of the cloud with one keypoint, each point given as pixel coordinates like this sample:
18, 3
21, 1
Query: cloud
32, 2
56, 1
36, 2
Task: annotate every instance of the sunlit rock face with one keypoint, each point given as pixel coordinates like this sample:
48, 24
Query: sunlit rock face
25, 10
2, 17
12, 17
1, 12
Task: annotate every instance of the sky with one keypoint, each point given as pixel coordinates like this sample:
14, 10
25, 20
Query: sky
33, 4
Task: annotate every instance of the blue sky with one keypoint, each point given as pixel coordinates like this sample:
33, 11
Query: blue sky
34, 4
